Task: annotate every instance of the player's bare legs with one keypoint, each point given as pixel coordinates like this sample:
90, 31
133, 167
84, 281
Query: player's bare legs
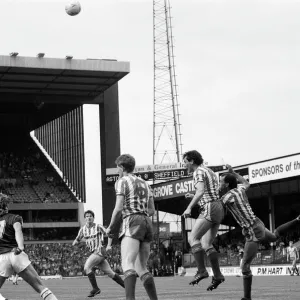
280, 230
141, 268
32, 278
91, 262
250, 251
198, 231
212, 255
142, 258
129, 252
2, 280
294, 267
269, 236
105, 267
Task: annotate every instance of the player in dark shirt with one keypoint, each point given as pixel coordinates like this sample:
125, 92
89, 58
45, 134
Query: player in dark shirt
13, 259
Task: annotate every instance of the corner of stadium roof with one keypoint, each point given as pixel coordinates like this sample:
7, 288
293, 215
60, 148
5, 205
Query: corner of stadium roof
56, 79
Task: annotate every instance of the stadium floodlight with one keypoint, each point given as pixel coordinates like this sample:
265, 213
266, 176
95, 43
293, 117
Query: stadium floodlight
40, 55
14, 54
69, 57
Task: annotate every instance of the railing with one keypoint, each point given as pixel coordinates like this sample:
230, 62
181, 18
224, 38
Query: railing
265, 257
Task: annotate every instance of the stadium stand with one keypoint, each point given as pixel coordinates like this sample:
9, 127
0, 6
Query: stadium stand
64, 259
28, 177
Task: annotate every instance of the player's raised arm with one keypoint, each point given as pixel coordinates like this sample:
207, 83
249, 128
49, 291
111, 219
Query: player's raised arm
239, 178
19, 237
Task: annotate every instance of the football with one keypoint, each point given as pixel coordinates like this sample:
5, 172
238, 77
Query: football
73, 8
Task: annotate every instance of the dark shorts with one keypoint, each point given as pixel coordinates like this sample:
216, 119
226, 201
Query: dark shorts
137, 226
256, 232
212, 211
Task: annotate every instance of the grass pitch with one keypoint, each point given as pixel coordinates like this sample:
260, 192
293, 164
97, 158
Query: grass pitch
168, 288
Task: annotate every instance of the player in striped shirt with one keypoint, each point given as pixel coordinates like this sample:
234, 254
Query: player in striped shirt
92, 234
134, 205
235, 199
211, 214
293, 255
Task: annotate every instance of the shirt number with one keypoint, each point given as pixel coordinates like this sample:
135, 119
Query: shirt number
141, 190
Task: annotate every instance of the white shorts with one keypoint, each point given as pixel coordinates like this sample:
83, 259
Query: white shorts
10, 263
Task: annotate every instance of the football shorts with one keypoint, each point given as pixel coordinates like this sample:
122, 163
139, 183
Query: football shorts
11, 263
101, 252
137, 226
256, 232
212, 211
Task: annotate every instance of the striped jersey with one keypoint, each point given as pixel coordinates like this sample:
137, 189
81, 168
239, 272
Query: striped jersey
136, 194
93, 236
237, 203
211, 185
292, 251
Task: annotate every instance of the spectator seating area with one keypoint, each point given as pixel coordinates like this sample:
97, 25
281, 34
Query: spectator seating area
64, 259
51, 234
56, 259
29, 177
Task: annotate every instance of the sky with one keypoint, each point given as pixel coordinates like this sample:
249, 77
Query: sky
237, 65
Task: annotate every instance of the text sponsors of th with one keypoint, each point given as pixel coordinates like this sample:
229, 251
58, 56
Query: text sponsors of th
275, 169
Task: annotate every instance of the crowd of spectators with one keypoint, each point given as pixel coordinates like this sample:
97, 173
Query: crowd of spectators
63, 259
66, 260
13, 165
49, 234
56, 259
29, 177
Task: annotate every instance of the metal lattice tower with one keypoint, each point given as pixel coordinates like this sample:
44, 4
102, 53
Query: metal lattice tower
167, 146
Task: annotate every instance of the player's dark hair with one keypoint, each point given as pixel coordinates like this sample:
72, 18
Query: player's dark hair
231, 180
89, 212
195, 156
127, 161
